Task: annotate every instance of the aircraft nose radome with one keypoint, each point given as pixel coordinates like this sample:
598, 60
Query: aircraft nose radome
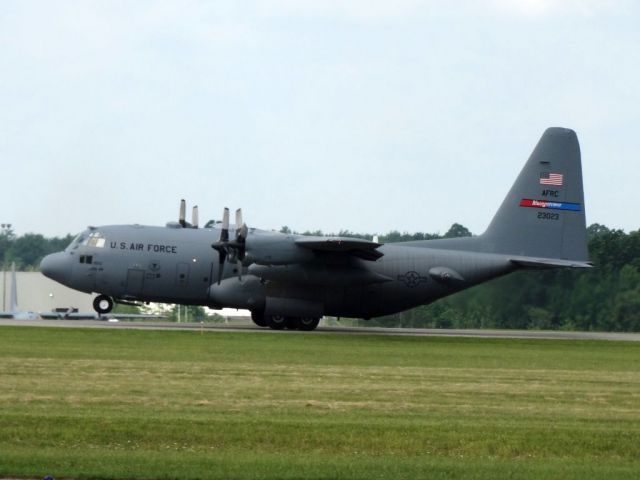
56, 266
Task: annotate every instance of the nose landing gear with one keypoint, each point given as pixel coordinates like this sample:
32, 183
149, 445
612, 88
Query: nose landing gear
103, 304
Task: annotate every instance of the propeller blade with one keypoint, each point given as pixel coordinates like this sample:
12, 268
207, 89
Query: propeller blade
222, 245
244, 230
221, 248
183, 213
222, 253
241, 237
238, 221
194, 217
224, 233
241, 241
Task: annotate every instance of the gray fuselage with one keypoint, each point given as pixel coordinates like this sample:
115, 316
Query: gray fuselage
178, 265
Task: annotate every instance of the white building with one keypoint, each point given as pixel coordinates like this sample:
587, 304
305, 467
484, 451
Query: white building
37, 293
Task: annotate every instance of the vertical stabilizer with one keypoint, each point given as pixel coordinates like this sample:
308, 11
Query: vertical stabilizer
14, 289
543, 215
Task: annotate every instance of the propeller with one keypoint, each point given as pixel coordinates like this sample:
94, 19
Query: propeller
182, 220
234, 250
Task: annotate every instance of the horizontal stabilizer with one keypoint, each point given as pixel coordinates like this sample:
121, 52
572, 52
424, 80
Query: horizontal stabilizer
529, 262
358, 247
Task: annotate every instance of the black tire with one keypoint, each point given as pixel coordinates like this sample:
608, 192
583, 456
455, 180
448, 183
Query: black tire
276, 322
291, 323
308, 323
103, 304
259, 319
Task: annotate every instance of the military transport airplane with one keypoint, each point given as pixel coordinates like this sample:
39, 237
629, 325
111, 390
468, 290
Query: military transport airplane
292, 280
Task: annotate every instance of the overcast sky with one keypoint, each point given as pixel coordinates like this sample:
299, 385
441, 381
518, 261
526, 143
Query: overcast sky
364, 115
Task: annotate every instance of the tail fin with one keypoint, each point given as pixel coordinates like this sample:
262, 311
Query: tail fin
14, 289
543, 215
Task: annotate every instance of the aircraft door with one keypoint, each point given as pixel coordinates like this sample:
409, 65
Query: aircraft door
135, 282
86, 270
182, 274
91, 277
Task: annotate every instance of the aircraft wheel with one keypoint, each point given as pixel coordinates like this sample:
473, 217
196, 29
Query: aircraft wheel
259, 319
103, 304
276, 322
308, 323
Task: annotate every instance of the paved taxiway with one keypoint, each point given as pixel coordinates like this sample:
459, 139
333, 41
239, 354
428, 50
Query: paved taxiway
415, 332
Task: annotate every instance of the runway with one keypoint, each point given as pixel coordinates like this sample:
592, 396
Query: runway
336, 330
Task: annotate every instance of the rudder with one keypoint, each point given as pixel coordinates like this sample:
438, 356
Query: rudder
543, 215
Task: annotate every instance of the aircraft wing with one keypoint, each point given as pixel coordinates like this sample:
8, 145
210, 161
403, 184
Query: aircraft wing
357, 247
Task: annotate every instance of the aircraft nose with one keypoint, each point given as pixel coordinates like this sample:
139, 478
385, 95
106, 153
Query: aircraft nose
56, 266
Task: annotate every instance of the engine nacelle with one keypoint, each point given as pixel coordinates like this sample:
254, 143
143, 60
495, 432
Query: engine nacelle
251, 294
247, 293
271, 248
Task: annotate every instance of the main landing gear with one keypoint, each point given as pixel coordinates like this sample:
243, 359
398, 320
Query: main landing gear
103, 304
280, 322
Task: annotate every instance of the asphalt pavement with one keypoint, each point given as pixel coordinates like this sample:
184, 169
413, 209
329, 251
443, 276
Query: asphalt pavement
338, 330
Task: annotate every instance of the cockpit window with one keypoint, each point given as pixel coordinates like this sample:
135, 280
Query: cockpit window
89, 239
95, 239
76, 242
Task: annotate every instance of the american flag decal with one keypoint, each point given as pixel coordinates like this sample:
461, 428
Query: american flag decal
547, 178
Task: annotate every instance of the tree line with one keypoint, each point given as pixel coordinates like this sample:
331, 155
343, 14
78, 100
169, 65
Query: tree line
27, 250
605, 298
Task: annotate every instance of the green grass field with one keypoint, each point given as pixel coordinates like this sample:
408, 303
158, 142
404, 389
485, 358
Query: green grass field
84, 403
